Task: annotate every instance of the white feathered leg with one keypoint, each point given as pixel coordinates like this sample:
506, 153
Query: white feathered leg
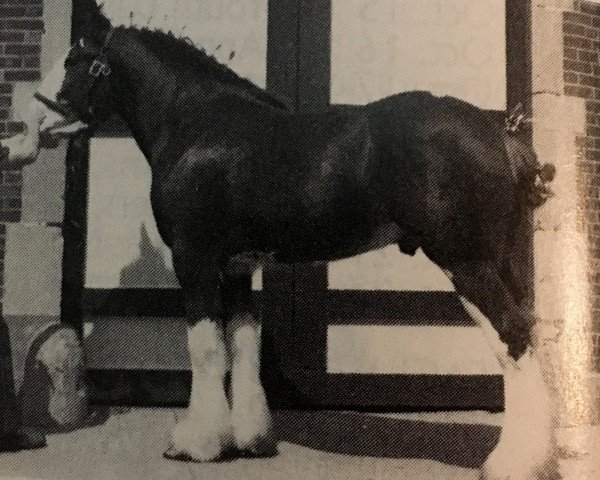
205, 433
527, 446
250, 415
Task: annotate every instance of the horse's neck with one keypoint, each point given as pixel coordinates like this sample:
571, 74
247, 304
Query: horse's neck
143, 89
149, 96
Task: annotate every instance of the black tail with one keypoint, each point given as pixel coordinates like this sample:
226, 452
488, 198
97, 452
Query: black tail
532, 177
539, 189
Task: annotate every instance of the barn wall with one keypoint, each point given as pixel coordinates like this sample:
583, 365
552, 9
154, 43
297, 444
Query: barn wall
33, 34
20, 38
581, 29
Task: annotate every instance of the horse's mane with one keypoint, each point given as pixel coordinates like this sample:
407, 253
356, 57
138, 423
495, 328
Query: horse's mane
183, 57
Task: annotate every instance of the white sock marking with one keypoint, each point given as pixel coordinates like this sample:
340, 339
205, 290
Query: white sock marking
526, 450
250, 413
206, 431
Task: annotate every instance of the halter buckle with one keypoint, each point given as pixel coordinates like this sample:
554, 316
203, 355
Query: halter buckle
98, 68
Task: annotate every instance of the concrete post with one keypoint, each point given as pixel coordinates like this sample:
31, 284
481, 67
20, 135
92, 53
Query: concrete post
562, 297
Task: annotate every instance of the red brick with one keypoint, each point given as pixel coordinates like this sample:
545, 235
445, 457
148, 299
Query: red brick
589, 80
12, 11
576, 91
576, 66
571, 77
577, 42
21, 2
578, 18
10, 216
571, 53
11, 36
31, 62
10, 62
591, 8
22, 75
35, 11
30, 24
587, 56
22, 49
574, 29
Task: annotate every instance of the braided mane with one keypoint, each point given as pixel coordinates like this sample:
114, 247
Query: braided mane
183, 57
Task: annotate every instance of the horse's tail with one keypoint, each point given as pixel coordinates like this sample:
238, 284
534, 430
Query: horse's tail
533, 181
532, 177
539, 189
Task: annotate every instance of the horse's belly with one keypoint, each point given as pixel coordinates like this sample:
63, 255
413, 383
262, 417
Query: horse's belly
330, 246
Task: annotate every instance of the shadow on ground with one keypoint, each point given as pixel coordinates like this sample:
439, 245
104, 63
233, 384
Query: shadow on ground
462, 445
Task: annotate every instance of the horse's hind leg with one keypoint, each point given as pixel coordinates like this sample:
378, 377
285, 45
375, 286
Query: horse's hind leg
250, 415
526, 450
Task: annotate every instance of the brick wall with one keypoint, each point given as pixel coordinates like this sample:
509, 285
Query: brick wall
21, 28
581, 31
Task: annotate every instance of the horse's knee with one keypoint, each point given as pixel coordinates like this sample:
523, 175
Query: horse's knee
206, 344
243, 338
480, 286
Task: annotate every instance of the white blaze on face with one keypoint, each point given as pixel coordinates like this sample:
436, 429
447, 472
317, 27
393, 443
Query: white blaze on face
53, 122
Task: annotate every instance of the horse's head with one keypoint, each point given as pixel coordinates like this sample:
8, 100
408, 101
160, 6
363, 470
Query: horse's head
72, 97
85, 93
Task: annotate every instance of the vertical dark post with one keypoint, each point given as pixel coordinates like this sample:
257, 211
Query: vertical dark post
75, 222
282, 50
295, 322
519, 89
10, 414
278, 293
314, 94
518, 54
314, 56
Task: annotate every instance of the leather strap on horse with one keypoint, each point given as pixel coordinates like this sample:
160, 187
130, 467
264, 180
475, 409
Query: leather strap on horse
98, 67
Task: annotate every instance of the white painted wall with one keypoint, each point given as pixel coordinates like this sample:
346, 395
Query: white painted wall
449, 47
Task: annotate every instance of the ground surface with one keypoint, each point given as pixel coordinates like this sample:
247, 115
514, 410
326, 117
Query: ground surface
313, 445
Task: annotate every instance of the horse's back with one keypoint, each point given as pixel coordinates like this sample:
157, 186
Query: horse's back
453, 188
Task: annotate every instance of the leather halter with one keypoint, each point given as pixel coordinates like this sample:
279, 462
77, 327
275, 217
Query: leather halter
99, 67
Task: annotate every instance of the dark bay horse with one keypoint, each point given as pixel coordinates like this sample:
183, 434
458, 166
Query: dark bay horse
233, 171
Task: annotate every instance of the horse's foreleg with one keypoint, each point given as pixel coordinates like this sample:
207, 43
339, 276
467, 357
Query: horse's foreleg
250, 415
527, 447
205, 432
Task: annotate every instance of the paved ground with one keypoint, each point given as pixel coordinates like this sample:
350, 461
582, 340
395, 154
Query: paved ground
314, 445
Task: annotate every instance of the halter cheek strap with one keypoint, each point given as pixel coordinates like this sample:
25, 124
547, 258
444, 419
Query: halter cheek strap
98, 67
100, 64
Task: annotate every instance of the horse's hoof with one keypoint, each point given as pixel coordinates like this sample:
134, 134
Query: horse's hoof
263, 447
24, 439
192, 441
182, 456
173, 454
548, 471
